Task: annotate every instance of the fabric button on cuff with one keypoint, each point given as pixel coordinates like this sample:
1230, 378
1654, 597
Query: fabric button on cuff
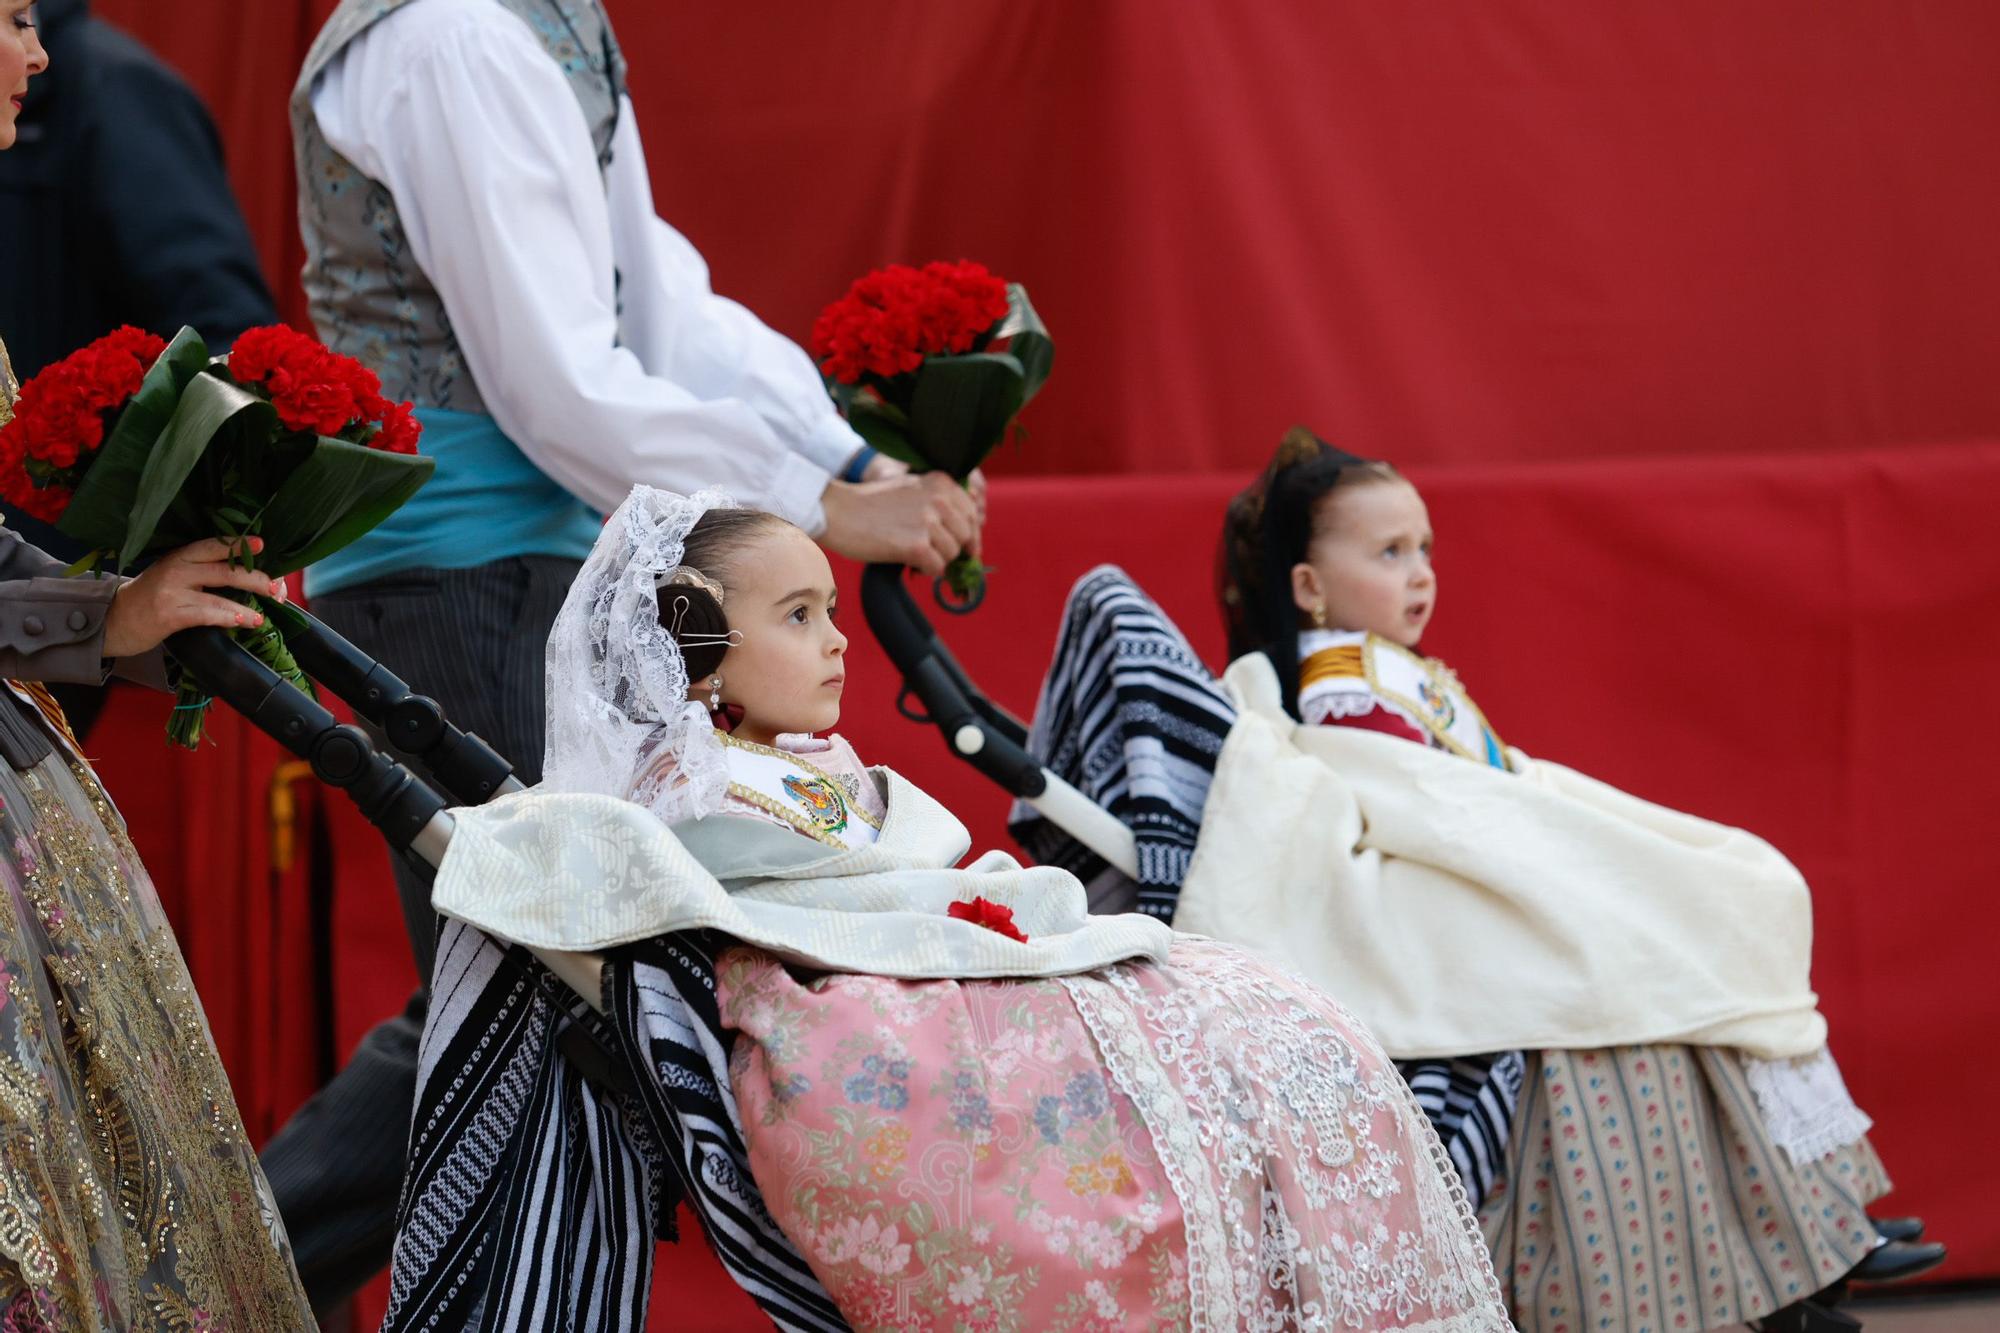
79, 620
33, 624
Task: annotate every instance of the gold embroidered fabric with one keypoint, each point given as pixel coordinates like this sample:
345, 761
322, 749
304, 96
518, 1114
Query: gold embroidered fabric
9, 386
130, 1197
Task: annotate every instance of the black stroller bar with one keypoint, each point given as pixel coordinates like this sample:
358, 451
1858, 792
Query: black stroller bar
411, 814
976, 729
394, 800
470, 771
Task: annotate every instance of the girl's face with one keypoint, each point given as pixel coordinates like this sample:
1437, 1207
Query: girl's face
788, 672
21, 59
1369, 564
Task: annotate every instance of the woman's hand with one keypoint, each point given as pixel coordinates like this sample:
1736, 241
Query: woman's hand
170, 597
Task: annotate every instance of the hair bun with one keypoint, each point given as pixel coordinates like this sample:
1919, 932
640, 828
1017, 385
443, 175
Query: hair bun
690, 610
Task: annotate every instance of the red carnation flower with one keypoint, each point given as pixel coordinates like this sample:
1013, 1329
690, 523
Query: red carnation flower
62, 415
400, 428
321, 391
993, 916
894, 317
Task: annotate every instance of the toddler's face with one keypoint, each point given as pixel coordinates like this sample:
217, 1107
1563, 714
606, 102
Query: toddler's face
1369, 565
788, 673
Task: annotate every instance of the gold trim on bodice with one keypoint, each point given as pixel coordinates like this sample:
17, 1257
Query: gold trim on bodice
820, 803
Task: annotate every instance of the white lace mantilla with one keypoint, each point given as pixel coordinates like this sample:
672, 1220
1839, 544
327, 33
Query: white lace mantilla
1314, 1193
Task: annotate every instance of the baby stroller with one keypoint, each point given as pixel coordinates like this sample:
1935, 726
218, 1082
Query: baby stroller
411, 808
1470, 1100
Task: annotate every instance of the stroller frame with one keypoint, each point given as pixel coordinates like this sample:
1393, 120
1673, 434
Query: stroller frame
976, 730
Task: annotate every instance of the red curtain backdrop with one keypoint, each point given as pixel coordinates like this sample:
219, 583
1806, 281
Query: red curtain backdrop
1486, 240
1445, 233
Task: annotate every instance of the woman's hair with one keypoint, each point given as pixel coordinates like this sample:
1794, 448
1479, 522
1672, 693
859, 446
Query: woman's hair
718, 537
1267, 531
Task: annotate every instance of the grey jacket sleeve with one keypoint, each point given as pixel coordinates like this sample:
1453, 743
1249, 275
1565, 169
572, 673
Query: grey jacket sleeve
52, 628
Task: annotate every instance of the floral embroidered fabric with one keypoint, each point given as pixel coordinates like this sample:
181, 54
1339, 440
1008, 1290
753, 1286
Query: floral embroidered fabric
1206, 1144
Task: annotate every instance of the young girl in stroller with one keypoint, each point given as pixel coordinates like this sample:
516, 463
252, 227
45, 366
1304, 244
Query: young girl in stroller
899, 1094
1636, 1184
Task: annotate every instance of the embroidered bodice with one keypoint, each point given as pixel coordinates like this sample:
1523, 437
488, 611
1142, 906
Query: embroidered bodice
1354, 679
817, 787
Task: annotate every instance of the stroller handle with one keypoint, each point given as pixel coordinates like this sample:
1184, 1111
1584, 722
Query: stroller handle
975, 729
469, 770
405, 808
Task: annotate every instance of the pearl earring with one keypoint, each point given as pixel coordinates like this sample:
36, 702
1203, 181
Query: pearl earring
715, 694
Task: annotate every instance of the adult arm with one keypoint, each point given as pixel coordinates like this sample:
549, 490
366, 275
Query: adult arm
508, 216
52, 627
479, 138
80, 630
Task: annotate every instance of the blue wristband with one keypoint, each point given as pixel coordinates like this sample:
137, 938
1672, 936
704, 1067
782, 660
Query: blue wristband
858, 464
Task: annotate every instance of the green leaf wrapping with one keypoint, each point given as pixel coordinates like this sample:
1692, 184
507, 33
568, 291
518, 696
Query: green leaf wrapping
1023, 336
338, 493
211, 409
962, 407
884, 427
98, 514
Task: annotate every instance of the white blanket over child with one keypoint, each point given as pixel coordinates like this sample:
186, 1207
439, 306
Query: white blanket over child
1455, 908
580, 873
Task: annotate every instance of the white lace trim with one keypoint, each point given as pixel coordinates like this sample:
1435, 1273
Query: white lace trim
1805, 1105
1160, 1108
1264, 1115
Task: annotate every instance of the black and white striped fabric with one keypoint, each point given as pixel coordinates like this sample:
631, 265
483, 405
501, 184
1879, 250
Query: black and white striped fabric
1131, 717
1470, 1101
472, 639
535, 1193
663, 1005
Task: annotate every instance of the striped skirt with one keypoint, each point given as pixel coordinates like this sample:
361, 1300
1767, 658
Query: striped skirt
1649, 1199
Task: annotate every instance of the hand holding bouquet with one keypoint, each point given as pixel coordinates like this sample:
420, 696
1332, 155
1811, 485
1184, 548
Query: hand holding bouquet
137, 446
931, 365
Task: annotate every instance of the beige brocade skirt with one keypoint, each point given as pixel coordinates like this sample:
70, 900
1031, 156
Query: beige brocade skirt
130, 1197
1648, 1198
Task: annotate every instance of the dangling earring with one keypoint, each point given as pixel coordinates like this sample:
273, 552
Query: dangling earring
715, 694
1319, 616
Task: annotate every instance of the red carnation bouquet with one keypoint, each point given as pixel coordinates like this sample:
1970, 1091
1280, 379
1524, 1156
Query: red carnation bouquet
135, 446
931, 365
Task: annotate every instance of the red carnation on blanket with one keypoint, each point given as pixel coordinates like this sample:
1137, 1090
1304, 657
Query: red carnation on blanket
61, 417
987, 913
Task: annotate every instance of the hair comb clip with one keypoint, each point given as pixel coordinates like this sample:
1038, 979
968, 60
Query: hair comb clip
686, 576
682, 604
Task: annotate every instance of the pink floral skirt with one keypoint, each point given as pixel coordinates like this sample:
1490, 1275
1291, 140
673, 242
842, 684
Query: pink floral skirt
1205, 1144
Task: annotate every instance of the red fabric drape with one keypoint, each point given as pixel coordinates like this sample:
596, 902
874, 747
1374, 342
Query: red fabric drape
1510, 231
1496, 234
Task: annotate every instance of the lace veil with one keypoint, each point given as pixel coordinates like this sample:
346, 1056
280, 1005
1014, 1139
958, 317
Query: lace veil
619, 719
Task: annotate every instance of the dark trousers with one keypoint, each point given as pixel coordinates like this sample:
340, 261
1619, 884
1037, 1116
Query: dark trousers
474, 640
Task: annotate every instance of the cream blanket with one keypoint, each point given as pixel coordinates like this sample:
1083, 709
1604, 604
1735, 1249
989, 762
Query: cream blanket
1458, 909
577, 874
